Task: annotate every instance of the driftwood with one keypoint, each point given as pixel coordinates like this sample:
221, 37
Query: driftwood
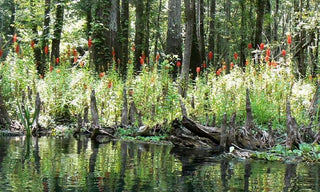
198, 129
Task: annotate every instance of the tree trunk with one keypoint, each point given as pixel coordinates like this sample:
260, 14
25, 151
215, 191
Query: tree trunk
200, 31
45, 39
139, 35
124, 40
195, 50
189, 12
259, 21
243, 32
174, 36
211, 43
174, 32
114, 26
58, 25
101, 52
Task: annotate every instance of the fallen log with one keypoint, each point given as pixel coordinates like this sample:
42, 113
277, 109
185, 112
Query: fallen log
198, 130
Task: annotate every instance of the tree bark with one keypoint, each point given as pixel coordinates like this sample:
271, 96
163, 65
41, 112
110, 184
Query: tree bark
45, 39
139, 35
189, 12
211, 43
58, 25
124, 40
259, 21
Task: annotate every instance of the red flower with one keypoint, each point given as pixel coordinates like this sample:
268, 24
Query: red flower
143, 55
249, 46
32, 44
157, 57
224, 67
1, 52
101, 74
75, 59
178, 63
198, 69
75, 53
110, 84
267, 58
284, 53
204, 65
219, 72
289, 39
262, 46
231, 65
15, 38
141, 61
51, 68
133, 48
235, 56
268, 52
17, 48
247, 62
210, 55
46, 50
57, 60
89, 43
113, 52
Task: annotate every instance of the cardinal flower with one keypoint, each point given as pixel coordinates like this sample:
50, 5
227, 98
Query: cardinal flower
110, 84
284, 53
289, 39
178, 63
219, 71
204, 65
198, 69
101, 74
51, 68
14, 38
157, 57
141, 61
113, 53
89, 43
235, 56
46, 50
231, 65
32, 44
210, 55
268, 52
17, 48
249, 46
1, 52
57, 60
262, 46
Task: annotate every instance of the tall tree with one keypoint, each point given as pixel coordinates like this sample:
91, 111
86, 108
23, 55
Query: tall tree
211, 42
124, 20
45, 39
259, 21
139, 54
189, 22
174, 36
58, 25
200, 29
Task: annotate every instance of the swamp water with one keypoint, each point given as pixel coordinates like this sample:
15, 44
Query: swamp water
69, 164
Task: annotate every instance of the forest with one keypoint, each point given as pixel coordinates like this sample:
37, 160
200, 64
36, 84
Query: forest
202, 73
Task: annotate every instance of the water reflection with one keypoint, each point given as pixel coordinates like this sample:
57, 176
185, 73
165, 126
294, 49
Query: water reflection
78, 164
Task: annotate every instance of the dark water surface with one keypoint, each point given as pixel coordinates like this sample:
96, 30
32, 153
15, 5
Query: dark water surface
69, 164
